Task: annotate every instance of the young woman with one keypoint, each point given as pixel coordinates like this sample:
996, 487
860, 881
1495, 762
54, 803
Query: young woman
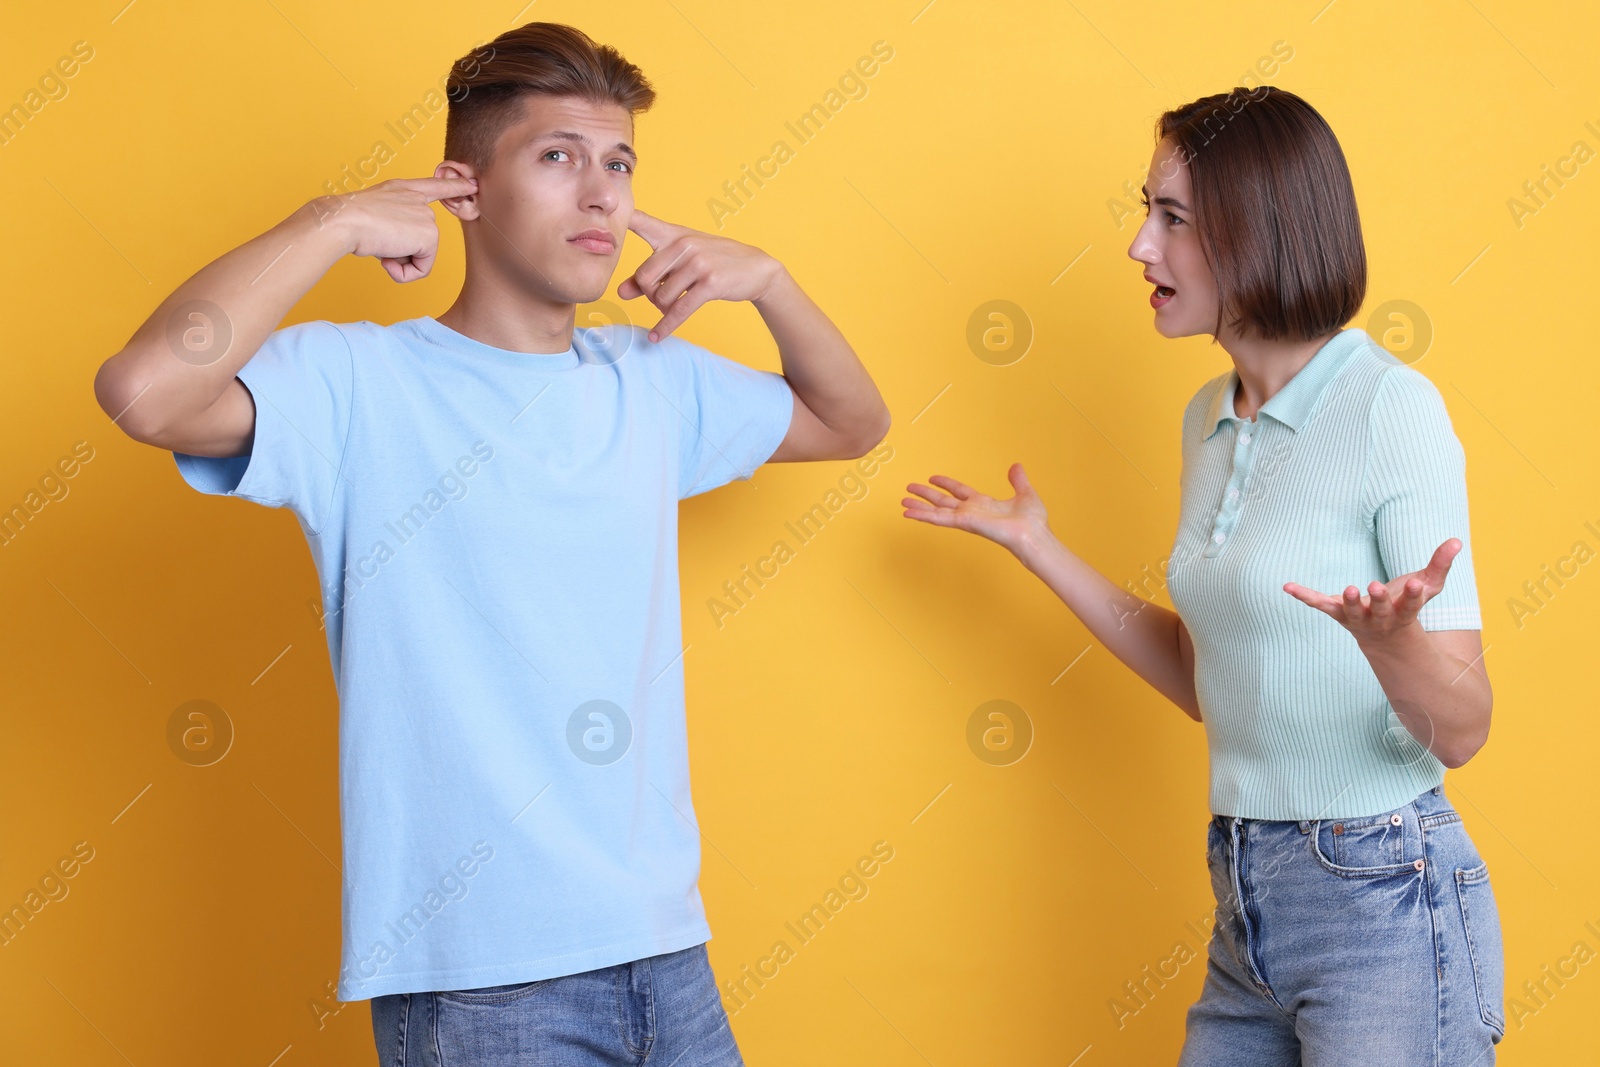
1355, 924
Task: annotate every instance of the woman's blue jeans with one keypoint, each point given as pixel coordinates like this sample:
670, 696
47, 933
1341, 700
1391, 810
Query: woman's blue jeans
1350, 943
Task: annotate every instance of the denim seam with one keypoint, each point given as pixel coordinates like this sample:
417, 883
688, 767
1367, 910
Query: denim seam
650, 1003
1464, 877
1438, 968
1251, 941
405, 1018
1429, 894
433, 1030
623, 988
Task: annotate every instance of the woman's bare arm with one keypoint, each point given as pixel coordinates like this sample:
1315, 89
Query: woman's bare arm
1149, 638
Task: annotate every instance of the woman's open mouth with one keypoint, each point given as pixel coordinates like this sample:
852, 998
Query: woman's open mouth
1161, 295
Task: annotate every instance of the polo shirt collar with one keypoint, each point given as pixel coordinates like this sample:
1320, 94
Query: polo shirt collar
1293, 404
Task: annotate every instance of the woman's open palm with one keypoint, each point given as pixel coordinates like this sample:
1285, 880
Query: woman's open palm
1010, 522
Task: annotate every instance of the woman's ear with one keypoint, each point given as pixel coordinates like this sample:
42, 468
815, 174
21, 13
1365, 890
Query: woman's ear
464, 208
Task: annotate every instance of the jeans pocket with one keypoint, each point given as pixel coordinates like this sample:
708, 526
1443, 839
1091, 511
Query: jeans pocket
1480, 917
1369, 847
494, 994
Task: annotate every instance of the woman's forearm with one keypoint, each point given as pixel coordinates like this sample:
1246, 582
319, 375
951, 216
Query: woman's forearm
1145, 636
1440, 698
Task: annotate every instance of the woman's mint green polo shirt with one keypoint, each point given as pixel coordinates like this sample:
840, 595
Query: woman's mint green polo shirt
1349, 473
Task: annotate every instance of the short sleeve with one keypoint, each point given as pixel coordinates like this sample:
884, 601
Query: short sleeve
1415, 494
302, 382
734, 416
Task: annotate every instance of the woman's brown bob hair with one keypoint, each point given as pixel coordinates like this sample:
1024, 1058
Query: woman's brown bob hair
486, 87
1274, 209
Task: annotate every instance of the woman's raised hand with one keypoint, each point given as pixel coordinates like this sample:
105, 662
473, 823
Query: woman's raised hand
1015, 522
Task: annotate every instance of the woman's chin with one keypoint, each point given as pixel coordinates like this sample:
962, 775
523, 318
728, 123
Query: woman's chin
1168, 328
1172, 327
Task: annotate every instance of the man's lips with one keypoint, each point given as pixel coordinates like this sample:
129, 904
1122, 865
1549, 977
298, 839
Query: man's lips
595, 241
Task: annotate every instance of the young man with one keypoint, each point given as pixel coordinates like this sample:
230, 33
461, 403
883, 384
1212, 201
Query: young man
491, 500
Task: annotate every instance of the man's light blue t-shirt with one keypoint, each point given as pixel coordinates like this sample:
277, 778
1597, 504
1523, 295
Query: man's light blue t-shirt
497, 539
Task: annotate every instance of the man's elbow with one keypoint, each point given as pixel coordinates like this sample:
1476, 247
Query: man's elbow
118, 395
876, 430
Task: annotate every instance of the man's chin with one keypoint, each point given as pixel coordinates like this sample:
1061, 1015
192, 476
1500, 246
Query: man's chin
576, 291
587, 287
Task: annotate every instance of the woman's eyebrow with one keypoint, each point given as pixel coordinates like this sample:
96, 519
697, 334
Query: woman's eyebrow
1164, 201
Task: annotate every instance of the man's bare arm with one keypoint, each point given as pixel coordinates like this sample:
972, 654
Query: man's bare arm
174, 383
838, 412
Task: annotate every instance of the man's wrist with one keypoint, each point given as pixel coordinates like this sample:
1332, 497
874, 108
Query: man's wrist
780, 284
322, 221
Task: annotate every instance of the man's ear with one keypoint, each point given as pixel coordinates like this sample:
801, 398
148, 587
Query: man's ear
464, 208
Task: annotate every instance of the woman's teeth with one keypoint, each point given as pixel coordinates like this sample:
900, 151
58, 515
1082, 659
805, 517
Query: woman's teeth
1165, 291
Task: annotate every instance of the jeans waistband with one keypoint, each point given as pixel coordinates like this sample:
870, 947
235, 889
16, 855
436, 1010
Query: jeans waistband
1428, 802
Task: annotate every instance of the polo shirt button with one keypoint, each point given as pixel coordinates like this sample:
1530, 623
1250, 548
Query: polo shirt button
1219, 537
1245, 437
1233, 494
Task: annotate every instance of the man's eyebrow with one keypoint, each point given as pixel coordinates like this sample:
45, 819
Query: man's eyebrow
1164, 201
583, 139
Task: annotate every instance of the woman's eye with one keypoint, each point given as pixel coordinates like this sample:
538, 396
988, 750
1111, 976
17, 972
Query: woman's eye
1144, 204
1175, 220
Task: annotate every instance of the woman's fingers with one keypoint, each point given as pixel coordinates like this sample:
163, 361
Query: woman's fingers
1381, 608
1438, 567
1311, 598
923, 513
960, 490
933, 496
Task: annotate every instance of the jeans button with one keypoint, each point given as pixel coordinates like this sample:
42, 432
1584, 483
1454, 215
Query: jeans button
1395, 819
1418, 865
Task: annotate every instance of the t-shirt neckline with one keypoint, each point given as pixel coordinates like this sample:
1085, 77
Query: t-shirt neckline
437, 331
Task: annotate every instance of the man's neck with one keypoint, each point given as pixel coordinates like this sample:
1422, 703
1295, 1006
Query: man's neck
512, 321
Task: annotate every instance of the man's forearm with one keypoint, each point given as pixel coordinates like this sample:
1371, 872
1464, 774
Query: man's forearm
193, 344
1442, 701
821, 367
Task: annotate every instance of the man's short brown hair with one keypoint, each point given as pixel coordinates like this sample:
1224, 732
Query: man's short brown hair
488, 85
1275, 211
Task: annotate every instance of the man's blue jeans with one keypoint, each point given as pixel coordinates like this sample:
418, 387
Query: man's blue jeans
1350, 943
661, 1010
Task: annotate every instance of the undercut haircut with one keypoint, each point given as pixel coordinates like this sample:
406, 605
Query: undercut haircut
488, 87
